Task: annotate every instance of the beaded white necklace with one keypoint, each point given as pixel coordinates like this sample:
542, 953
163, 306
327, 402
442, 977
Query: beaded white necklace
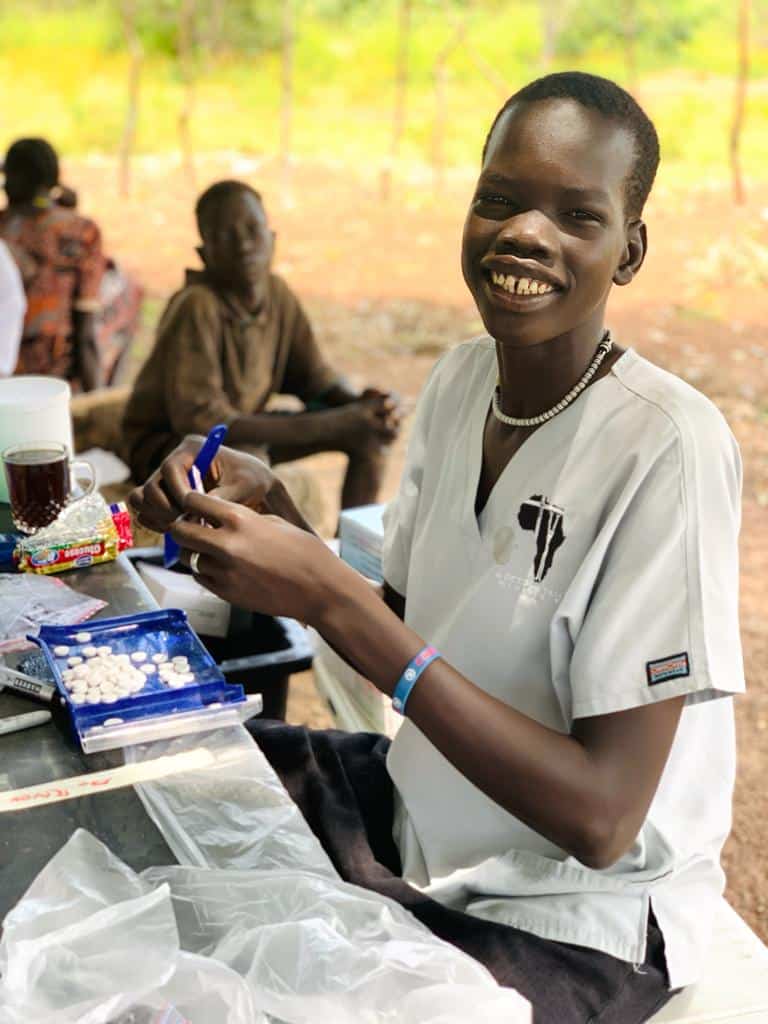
605, 346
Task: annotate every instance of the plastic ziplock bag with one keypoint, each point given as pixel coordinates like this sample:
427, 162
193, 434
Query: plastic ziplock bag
255, 916
28, 601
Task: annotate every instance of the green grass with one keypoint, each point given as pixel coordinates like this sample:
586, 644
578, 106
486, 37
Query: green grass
64, 72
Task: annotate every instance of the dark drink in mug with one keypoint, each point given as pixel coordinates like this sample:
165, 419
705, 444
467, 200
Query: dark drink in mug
39, 477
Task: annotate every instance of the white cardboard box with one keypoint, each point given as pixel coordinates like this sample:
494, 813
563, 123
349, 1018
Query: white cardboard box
207, 613
361, 534
357, 705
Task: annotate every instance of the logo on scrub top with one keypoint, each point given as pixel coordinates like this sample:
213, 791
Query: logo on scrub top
545, 521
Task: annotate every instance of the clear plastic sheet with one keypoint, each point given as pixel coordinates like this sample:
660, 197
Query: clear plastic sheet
235, 813
254, 925
92, 943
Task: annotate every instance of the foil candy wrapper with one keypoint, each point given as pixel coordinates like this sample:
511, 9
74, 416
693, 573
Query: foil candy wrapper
87, 532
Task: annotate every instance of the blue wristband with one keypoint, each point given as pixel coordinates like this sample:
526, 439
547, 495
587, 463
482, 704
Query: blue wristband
410, 677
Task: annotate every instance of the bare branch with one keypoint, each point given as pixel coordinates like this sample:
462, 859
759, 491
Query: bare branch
286, 101
136, 52
737, 123
185, 39
401, 91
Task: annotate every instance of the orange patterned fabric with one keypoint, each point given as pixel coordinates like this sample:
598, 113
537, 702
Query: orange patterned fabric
61, 262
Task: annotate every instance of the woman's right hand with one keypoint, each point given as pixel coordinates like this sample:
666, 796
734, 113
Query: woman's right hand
234, 476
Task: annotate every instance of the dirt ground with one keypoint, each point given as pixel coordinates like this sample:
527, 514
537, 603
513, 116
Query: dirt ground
381, 281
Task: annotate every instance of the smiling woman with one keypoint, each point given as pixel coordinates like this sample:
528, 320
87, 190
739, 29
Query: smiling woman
550, 208
559, 625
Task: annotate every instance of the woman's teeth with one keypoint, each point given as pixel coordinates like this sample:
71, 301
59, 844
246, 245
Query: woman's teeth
520, 285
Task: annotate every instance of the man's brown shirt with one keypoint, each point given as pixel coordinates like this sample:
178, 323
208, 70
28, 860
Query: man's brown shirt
213, 362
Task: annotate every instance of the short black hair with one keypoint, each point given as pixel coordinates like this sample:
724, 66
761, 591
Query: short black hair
610, 100
32, 164
208, 204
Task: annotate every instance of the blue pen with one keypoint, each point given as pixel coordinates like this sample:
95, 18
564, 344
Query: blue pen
202, 464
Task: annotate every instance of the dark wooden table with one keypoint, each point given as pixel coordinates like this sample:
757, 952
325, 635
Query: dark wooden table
30, 837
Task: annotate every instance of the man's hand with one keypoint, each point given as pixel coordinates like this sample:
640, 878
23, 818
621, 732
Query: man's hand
234, 476
371, 420
390, 407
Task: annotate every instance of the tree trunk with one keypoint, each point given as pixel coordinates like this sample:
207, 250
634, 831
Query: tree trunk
441, 82
286, 99
629, 33
548, 31
185, 38
136, 52
438, 132
215, 25
401, 92
737, 123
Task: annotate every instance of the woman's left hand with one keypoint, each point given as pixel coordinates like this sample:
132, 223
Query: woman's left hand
258, 562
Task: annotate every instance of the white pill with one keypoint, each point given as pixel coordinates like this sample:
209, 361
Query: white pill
68, 673
186, 677
138, 656
180, 659
74, 660
79, 698
176, 682
105, 649
148, 670
113, 721
90, 651
61, 651
159, 658
83, 638
122, 659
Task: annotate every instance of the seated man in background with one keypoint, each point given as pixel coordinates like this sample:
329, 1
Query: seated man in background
59, 255
234, 335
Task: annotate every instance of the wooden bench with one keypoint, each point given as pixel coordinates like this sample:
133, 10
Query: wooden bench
97, 418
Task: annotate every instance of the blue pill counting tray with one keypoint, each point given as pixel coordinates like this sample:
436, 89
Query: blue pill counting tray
197, 699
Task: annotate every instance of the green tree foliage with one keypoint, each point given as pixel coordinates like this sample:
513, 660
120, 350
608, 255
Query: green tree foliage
241, 26
659, 28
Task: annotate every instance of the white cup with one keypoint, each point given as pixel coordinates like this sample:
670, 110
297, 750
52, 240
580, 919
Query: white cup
34, 407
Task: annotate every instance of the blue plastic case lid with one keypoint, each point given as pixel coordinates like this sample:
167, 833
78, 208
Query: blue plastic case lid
165, 631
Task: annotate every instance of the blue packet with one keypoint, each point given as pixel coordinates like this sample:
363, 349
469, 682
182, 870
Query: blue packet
8, 542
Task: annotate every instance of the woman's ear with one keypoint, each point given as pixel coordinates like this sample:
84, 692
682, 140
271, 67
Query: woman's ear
633, 254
